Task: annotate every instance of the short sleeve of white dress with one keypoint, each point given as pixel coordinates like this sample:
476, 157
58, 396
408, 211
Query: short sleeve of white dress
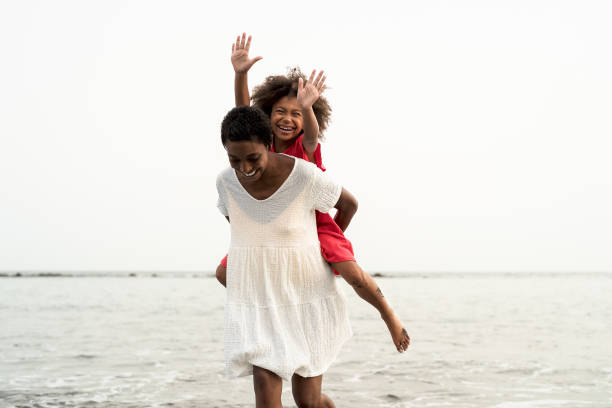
325, 191
222, 200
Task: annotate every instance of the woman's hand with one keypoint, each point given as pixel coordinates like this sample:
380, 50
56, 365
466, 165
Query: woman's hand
309, 93
240, 55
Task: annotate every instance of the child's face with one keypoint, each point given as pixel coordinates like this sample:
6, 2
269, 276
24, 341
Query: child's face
286, 118
248, 158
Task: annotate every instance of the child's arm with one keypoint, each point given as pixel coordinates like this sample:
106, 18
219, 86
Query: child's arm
307, 95
242, 64
347, 207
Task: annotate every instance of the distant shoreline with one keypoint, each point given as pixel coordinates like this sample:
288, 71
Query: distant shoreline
206, 275
106, 274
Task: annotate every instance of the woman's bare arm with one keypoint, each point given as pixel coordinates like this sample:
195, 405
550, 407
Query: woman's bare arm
347, 207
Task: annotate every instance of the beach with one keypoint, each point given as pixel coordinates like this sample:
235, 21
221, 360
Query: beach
478, 340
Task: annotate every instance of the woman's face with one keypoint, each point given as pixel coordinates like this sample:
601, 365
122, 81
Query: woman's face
248, 158
286, 118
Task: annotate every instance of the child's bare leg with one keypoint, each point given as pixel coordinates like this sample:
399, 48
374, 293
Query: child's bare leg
221, 271
368, 290
268, 388
307, 392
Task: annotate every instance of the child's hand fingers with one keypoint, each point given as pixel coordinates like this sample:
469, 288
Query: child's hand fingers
321, 83
300, 85
248, 44
319, 77
243, 41
312, 74
253, 61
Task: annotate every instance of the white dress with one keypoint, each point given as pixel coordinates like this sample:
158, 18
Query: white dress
284, 310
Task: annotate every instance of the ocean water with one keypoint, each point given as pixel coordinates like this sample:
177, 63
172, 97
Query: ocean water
478, 340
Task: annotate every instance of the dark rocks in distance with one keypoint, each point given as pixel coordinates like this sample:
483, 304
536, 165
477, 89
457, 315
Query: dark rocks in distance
107, 274
35, 275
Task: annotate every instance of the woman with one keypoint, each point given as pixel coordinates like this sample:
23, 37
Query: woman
285, 317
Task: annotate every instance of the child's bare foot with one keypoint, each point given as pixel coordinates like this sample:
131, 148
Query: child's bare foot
398, 332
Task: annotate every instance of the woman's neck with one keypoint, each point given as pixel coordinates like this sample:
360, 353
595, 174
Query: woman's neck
278, 169
269, 174
274, 170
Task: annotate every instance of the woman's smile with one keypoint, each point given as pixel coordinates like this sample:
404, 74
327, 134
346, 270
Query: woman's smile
249, 159
250, 173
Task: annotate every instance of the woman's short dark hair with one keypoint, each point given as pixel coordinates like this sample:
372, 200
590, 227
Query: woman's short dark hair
276, 87
246, 123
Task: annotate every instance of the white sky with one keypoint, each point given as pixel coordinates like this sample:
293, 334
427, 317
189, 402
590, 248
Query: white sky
475, 134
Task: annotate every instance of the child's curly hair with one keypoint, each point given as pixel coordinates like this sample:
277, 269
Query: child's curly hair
276, 87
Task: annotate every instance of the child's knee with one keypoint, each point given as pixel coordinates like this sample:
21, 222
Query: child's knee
221, 274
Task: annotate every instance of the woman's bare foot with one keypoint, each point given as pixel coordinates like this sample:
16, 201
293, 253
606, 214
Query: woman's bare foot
398, 332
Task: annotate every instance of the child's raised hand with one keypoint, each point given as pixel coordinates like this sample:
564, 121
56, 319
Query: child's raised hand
240, 54
309, 93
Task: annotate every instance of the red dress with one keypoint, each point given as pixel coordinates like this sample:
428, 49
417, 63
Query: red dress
334, 245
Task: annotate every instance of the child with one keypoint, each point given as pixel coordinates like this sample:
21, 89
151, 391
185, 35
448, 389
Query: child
298, 114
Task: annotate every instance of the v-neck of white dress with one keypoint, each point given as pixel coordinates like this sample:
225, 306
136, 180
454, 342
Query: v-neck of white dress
244, 190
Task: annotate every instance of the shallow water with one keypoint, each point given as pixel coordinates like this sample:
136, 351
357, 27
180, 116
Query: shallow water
498, 340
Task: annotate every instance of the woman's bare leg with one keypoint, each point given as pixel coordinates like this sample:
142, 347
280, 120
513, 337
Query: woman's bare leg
368, 290
307, 392
268, 388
